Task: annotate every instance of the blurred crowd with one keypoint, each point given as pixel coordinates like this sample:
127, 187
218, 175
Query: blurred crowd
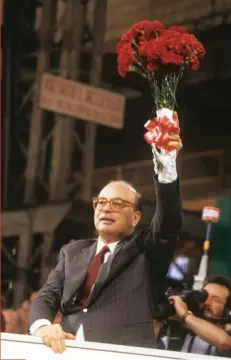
16, 321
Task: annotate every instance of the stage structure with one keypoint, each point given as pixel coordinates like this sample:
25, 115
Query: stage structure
25, 347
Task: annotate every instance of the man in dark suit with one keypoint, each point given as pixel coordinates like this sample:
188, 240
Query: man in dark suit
102, 286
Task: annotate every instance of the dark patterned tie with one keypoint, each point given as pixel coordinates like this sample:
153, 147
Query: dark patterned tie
92, 274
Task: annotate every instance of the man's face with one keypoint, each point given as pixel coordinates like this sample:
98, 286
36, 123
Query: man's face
114, 222
217, 298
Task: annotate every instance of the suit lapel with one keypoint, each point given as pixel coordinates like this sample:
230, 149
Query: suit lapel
78, 271
127, 253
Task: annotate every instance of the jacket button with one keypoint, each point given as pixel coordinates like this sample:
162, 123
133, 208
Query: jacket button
85, 310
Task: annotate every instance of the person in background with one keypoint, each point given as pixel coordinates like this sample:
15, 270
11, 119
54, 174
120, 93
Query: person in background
186, 261
12, 323
208, 334
3, 323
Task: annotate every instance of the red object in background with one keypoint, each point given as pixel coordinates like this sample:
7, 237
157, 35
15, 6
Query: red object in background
210, 214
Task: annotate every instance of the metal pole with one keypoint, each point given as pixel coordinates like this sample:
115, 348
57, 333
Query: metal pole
46, 37
208, 233
7, 123
95, 78
64, 126
46, 260
24, 250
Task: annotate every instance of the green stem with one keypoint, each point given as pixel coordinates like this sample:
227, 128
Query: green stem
164, 87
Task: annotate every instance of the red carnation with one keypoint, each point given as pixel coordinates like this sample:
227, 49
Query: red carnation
180, 29
194, 62
125, 58
171, 38
147, 26
152, 66
191, 45
128, 36
120, 46
170, 34
147, 29
169, 57
156, 25
152, 49
142, 26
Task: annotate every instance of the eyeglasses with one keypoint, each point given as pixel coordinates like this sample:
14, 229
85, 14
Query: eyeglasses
116, 204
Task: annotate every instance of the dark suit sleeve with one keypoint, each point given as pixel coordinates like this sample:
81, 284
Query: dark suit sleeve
47, 304
165, 226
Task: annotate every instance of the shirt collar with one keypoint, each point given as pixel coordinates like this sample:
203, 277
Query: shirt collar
101, 244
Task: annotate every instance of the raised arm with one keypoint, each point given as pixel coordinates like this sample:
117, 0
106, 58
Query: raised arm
165, 226
167, 220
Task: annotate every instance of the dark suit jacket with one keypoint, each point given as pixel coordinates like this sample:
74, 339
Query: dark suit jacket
124, 298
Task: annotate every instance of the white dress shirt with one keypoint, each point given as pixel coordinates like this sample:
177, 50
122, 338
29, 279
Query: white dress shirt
199, 346
165, 169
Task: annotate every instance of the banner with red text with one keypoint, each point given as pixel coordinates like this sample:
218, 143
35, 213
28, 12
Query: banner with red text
82, 101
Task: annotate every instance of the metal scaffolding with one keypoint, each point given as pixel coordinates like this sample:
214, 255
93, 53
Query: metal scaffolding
64, 127
62, 135
45, 36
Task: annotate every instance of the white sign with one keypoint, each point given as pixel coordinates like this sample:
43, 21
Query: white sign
81, 101
31, 348
210, 214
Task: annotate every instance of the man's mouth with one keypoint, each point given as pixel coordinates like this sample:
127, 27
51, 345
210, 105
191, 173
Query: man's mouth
207, 311
107, 220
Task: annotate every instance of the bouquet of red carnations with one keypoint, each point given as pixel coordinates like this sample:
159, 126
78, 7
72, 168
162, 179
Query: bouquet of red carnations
160, 55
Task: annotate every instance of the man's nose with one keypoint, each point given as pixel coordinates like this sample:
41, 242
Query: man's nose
208, 301
107, 207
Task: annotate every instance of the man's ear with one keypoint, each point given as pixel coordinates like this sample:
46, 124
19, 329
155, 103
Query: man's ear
137, 217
